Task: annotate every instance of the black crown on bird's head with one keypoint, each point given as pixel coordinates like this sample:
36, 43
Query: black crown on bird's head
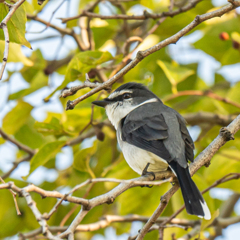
136, 91
131, 86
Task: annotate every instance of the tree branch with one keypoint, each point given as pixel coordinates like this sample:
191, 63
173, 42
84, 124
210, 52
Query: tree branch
142, 54
63, 31
73, 90
144, 16
207, 117
14, 198
15, 165
43, 223
107, 220
54, 65
123, 186
18, 144
207, 93
3, 25
101, 199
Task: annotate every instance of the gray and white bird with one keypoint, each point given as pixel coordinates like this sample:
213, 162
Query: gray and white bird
153, 137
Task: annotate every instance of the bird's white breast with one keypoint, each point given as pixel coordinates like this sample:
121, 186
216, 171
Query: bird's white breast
138, 158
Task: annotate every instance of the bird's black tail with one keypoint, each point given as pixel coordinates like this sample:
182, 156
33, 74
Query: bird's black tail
193, 199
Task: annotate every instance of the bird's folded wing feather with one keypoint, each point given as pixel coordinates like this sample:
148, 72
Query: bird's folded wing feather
189, 145
146, 133
150, 131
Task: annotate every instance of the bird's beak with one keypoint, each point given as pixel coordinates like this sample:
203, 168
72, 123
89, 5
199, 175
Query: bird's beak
103, 103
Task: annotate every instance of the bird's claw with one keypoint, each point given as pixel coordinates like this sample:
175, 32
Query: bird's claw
145, 172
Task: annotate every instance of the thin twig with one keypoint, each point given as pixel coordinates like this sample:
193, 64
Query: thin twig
108, 219
6, 50
208, 93
14, 198
63, 31
18, 144
68, 215
43, 223
161, 229
48, 24
209, 118
144, 16
73, 90
15, 165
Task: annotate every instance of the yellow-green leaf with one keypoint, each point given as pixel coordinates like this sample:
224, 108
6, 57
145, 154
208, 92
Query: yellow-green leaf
52, 128
16, 25
45, 153
82, 159
16, 117
236, 36
81, 64
175, 73
40, 80
233, 93
27, 133
15, 54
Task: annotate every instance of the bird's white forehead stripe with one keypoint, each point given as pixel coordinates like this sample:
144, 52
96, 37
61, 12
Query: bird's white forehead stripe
116, 94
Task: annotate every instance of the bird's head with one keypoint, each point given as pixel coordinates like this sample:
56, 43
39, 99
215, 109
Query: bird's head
124, 100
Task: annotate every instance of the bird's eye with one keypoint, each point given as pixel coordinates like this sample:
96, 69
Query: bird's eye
127, 96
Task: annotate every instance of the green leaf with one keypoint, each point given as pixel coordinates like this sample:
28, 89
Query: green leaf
16, 25
236, 36
82, 159
15, 53
233, 93
26, 134
28, 7
39, 63
17, 117
222, 164
45, 153
71, 120
52, 128
72, 23
174, 73
81, 64
40, 80
38, 8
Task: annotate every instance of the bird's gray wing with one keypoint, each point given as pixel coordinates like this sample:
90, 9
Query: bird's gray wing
189, 145
146, 128
160, 130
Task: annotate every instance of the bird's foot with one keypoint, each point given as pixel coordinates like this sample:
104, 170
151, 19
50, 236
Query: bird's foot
145, 171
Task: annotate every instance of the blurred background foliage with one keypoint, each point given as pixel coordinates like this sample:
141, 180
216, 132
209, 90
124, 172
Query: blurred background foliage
72, 146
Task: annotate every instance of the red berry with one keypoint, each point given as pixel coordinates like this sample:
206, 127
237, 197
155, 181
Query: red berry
224, 36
